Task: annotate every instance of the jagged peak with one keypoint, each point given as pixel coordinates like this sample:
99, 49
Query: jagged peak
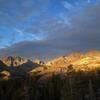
14, 60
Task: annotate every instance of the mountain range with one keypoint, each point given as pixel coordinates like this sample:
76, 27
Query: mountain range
19, 66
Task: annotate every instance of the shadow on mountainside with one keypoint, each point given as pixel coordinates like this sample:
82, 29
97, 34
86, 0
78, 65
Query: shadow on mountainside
20, 70
2, 66
28, 66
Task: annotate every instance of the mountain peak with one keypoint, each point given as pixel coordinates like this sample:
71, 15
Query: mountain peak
14, 61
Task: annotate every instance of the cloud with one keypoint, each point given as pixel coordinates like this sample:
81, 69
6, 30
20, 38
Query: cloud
67, 5
83, 34
19, 31
42, 49
86, 25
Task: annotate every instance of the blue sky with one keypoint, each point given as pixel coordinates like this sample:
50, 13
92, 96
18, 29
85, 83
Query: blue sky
54, 25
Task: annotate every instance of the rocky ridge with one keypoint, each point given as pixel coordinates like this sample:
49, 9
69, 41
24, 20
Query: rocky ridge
87, 62
77, 61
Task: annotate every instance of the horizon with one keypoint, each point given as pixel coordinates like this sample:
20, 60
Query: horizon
47, 29
47, 60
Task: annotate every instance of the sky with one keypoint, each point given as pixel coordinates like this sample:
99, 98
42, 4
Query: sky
45, 29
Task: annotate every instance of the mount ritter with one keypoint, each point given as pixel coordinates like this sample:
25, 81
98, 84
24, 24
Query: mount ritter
71, 77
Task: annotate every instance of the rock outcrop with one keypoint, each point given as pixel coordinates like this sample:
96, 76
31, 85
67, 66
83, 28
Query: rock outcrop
14, 61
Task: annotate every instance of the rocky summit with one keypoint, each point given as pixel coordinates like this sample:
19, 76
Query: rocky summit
14, 61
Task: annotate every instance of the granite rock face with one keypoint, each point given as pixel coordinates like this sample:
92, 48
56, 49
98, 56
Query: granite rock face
14, 61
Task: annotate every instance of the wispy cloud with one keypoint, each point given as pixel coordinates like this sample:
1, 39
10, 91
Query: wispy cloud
67, 5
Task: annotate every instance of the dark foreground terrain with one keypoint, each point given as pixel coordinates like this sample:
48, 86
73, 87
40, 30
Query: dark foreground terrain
76, 86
